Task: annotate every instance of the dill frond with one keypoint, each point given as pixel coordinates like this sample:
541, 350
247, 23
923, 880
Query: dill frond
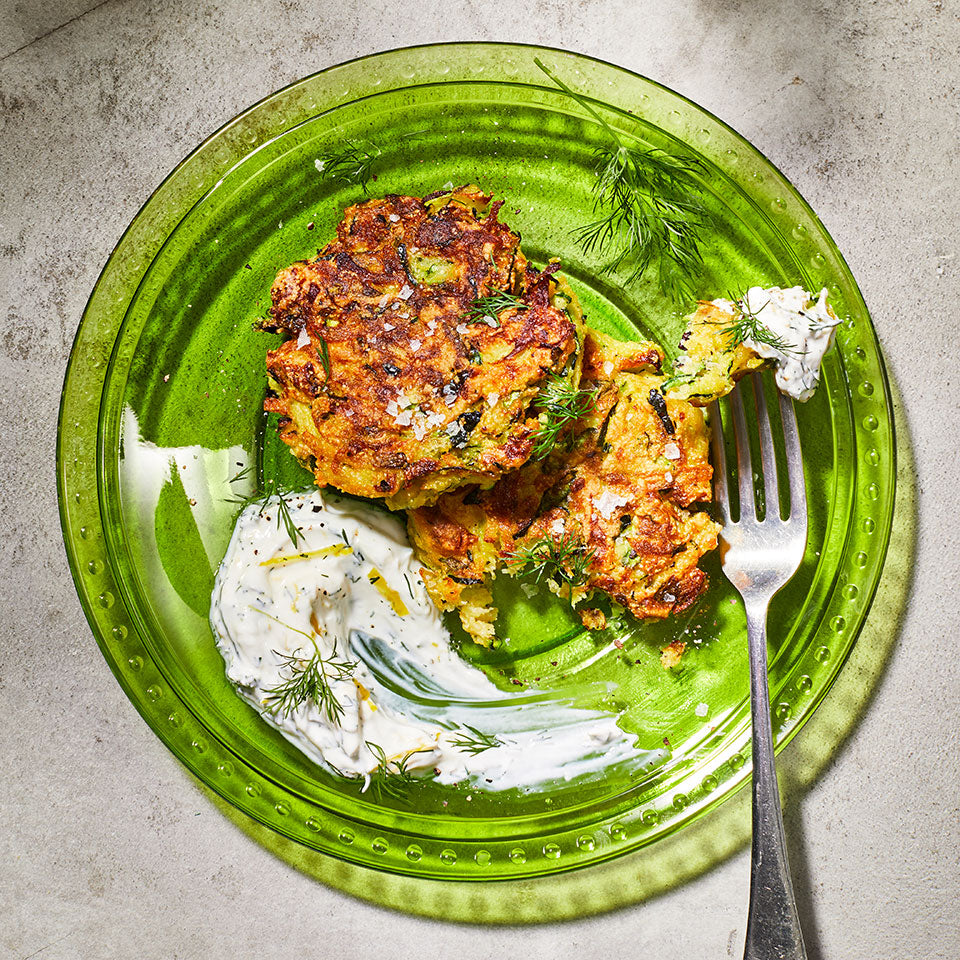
324, 356
475, 742
351, 163
650, 216
493, 305
240, 475
559, 405
649, 208
749, 326
308, 679
353, 160
284, 516
565, 561
392, 777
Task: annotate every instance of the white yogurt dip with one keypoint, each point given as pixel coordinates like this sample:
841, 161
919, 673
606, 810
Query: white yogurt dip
806, 327
349, 598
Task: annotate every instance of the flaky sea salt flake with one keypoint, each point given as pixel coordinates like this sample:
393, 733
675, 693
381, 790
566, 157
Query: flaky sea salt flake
607, 502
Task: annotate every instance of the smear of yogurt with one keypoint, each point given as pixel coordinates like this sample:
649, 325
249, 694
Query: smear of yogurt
805, 324
350, 593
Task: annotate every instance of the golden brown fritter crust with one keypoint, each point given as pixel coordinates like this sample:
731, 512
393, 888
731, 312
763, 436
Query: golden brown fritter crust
466, 534
463, 537
621, 493
626, 504
421, 397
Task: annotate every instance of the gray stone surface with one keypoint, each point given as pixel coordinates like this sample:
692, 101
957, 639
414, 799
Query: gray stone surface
108, 848
22, 23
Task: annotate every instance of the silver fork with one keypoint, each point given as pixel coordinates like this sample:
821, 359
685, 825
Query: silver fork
759, 557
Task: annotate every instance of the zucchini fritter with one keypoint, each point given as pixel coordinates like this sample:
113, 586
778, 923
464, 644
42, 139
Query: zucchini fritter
609, 514
707, 366
393, 384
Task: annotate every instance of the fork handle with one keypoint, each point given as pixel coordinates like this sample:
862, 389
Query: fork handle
773, 927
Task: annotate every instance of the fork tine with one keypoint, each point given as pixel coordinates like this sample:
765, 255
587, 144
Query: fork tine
798, 493
771, 489
720, 495
748, 507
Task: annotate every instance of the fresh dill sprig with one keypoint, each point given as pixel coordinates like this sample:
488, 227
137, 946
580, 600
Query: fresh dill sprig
476, 742
392, 777
559, 404
351, 163
565, 561
244, 502
494, 304
241, 474
353, 160
649, 205
284, 516
748, 325
308, 680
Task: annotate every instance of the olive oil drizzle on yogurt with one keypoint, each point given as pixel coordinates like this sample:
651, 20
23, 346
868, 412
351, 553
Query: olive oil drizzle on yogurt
348, 603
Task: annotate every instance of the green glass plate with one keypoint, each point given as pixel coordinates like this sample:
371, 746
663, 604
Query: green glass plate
163, 396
